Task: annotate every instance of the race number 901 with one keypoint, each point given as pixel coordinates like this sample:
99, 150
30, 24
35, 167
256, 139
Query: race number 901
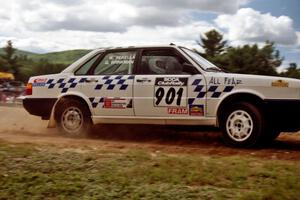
170, 92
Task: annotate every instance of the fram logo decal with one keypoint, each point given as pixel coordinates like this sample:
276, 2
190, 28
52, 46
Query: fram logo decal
177, 111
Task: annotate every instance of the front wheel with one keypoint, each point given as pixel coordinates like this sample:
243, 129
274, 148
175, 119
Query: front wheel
73, 118
242, 124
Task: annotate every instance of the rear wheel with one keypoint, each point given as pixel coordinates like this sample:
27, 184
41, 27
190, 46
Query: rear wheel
73, 118
242, 124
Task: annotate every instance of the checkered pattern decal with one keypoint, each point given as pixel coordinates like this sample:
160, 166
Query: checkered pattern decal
114, 82
119, 82
64, 84
95, 101
213, 91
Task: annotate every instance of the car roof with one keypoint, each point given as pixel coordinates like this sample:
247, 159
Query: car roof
136, 47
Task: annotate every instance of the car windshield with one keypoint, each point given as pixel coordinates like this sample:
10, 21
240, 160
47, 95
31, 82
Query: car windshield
205, 64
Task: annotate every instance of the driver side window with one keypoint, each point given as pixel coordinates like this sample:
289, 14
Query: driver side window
116, 63
162, 62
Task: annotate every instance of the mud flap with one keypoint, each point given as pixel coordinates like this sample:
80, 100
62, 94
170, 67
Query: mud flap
52, 122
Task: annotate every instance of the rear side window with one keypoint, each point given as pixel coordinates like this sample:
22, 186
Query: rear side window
116, 63
83, 70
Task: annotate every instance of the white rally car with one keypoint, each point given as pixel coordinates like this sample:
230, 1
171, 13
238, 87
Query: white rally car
169, 85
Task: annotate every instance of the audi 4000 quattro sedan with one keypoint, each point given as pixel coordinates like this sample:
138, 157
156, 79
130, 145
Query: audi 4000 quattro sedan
169, 85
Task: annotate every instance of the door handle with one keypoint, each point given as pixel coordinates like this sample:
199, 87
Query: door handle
143, 80
91, 80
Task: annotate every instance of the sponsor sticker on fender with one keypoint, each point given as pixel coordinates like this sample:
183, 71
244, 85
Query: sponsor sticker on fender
39, 82
280, 83
115, 103
196, 110
177, 111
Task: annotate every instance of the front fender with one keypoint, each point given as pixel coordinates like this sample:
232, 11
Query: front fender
239, 91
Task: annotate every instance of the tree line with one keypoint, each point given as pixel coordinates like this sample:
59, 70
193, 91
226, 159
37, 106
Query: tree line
245, 59
23, 67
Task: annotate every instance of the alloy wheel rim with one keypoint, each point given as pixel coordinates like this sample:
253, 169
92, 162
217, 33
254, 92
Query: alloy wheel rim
72, 120
239, 125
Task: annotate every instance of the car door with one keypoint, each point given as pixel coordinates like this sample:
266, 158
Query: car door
109, 83
168, 86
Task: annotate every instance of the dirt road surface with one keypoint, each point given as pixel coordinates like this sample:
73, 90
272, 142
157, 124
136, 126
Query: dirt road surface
17, 126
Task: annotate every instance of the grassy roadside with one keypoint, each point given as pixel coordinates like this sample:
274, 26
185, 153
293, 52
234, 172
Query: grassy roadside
47, 172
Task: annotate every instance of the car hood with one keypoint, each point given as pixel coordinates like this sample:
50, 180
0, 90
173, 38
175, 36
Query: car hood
257, 80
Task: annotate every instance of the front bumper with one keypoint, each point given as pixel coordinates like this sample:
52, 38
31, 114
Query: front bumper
39, 106
284, 114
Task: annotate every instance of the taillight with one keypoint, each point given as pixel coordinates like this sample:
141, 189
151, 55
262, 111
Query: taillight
29, 89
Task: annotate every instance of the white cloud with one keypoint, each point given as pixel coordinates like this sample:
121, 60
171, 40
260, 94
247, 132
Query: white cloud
105, 17
53, 25
135, 35
248, 25
5, 10
110, 15
44, 25
216, 6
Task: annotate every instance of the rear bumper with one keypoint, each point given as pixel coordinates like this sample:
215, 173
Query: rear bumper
39, 106
284, 114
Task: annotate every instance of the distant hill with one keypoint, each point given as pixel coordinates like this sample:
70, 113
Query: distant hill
61, 57
19, 52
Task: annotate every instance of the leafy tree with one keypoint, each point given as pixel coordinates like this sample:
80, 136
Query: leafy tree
250, 59
292, 71
44, 67
41, 67
9, 53
3, 65
247, 59
10, 63
213, 44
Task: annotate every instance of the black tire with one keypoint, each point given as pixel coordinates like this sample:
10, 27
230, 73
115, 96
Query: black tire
70, 112
271, 135
234, 120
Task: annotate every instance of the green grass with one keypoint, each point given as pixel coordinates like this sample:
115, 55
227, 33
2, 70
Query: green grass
48, 172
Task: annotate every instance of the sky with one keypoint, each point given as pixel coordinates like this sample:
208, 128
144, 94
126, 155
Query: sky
54, 25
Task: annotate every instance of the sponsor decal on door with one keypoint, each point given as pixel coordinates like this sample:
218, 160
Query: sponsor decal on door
115, 103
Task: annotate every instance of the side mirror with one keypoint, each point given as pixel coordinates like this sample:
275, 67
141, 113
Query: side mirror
190, 69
